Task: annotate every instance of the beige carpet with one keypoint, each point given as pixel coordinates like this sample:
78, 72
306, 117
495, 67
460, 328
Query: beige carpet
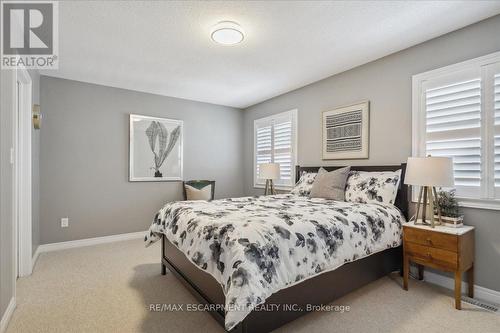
108, 288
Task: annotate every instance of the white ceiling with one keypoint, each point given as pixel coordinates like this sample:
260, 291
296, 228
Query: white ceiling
165, 47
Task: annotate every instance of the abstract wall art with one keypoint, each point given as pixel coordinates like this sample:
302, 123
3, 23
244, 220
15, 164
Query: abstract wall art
346, 132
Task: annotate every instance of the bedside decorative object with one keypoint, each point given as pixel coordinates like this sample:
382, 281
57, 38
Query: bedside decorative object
155, 149
429, 172
346, 132
37, 117
450, 213
269, 172
444, 248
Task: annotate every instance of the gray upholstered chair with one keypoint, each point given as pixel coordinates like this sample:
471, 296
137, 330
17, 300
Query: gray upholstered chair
199, 184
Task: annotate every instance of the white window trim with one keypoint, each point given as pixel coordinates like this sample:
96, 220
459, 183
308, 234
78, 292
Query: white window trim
295, 126
418, 117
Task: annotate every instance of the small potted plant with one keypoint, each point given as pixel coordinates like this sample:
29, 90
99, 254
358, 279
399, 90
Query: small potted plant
450, 212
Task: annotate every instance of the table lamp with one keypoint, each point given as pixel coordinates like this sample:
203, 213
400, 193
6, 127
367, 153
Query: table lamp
429, 172
269, 172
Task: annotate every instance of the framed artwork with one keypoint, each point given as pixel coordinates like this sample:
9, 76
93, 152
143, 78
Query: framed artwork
155, 149
346, 132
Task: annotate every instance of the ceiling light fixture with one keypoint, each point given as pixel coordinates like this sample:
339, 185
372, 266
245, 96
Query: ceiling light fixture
227, 33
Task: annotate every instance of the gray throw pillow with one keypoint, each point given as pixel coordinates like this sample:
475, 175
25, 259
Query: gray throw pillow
330, 185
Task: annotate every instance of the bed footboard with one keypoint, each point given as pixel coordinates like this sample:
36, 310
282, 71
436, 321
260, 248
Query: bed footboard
318, 290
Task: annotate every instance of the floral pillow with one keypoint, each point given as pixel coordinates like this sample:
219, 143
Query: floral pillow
369, 187
304, 185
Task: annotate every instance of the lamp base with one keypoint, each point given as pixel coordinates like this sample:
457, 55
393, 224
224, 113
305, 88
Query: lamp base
429, 195
427, 222
269, 190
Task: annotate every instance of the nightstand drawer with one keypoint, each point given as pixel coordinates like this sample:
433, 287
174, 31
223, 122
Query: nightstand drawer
433, 256
434, 239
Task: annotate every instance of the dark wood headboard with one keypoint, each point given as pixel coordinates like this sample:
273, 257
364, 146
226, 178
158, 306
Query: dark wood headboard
402, 196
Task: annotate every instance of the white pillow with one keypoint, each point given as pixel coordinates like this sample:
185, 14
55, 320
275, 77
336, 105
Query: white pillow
369, 187
304, 185
202, 194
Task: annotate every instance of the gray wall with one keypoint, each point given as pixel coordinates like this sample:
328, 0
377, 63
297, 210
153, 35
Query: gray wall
387, 84
84, 157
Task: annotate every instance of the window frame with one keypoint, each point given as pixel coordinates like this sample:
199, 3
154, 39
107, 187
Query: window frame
419, 129
294, 116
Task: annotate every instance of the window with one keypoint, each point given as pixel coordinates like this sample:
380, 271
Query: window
456, 113
275, 141
496, 90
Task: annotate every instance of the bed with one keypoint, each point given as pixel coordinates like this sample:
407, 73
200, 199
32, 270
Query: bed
257, 263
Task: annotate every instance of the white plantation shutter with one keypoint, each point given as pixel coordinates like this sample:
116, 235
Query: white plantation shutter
263, 145
453, 129
497, 99
497, 161
283, 142
466, 154
496, 107
456, 113
275, 141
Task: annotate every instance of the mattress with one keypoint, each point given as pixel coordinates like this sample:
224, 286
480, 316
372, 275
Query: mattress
256, 246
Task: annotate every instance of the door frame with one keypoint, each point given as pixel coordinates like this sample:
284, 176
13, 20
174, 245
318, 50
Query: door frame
22, 173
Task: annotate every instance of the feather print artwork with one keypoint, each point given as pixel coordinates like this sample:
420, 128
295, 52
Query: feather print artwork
158, 133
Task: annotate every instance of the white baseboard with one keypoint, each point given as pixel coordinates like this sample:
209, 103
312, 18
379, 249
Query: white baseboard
4, 322
485, 294
35, 258
89, 241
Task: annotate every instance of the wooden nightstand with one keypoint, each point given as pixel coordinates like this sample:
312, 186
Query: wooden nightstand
444, 248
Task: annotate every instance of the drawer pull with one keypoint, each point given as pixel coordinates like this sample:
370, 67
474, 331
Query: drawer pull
429, 255
429, 240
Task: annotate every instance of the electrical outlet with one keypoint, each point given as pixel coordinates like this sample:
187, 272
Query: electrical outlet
64, 222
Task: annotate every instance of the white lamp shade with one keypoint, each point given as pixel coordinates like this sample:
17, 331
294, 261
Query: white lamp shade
269, 171
430, 171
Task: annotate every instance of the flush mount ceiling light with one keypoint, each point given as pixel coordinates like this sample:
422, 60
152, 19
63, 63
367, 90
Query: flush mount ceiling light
227, 33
